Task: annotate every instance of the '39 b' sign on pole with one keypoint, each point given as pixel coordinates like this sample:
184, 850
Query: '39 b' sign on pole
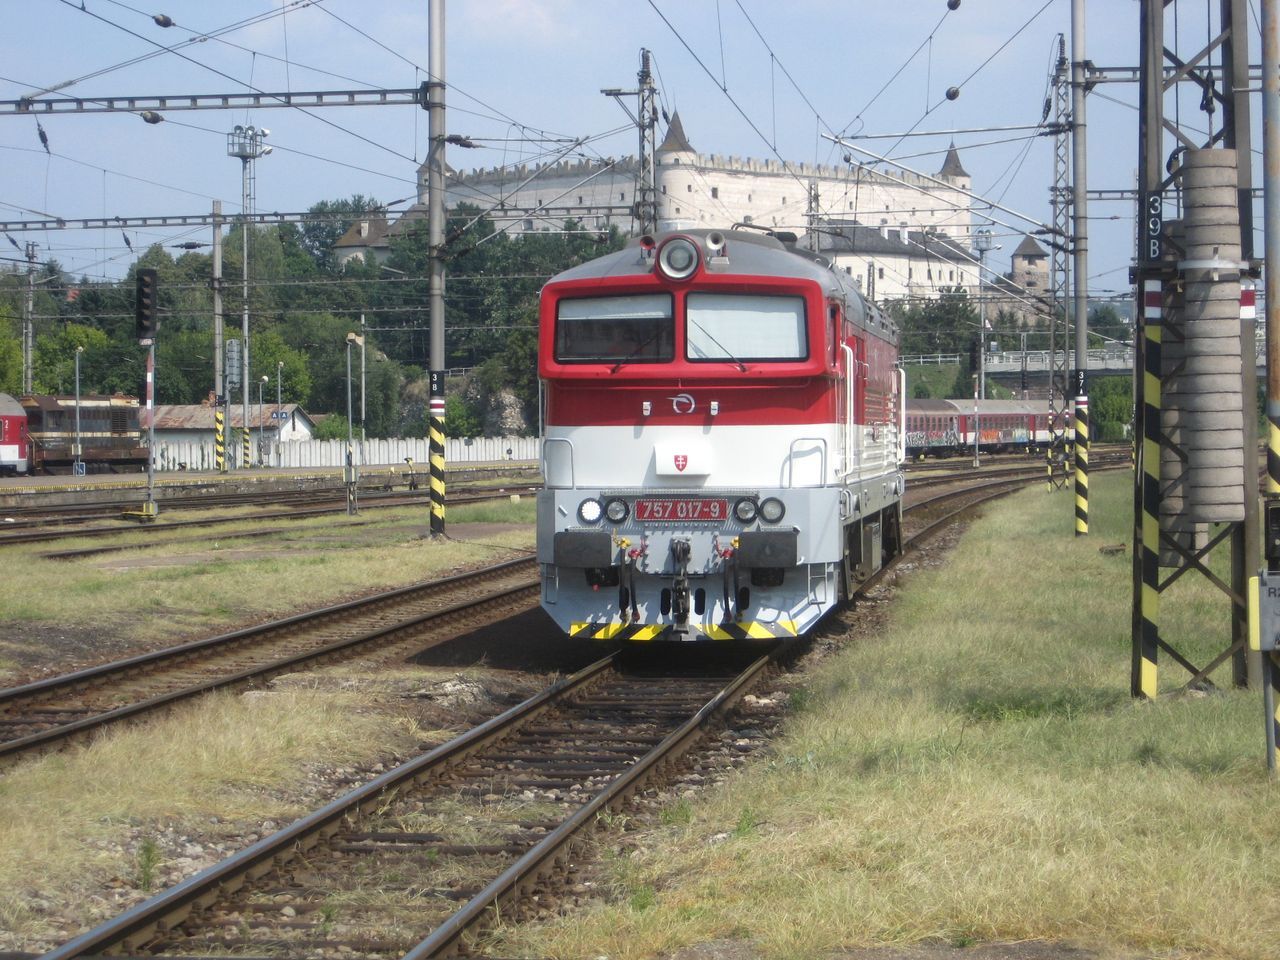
1153, 227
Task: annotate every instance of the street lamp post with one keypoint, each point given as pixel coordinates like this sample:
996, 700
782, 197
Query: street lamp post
79, 466
982, 243
262, 427
362, 390
246, 144
279, 424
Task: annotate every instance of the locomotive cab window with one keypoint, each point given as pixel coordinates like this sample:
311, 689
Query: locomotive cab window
730, 326
635, 329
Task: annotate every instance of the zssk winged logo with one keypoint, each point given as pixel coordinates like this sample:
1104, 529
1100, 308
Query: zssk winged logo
683, 403
681, 461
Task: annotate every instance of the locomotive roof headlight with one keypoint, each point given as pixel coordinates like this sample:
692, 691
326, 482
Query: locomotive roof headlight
678, 258
589, 511
745, 510
772, 510
617, 510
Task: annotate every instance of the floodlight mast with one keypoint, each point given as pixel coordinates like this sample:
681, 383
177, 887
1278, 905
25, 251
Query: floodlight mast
246, 144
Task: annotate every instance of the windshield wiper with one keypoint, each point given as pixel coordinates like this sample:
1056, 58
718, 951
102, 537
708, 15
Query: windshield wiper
742, 367
632, 355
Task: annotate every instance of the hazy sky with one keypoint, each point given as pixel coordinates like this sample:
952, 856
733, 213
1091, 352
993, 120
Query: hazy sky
523, 74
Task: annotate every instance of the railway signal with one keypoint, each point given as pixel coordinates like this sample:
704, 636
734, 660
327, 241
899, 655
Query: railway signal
146, 321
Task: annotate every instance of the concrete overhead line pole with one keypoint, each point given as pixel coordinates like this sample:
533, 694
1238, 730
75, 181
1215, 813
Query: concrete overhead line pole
435, 238
1271, 274
1080, 261
219, 335
28, 321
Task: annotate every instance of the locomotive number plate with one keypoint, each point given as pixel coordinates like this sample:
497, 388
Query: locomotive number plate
705, 510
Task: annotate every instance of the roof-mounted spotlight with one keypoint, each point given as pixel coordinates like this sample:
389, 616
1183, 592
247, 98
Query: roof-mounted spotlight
678, 258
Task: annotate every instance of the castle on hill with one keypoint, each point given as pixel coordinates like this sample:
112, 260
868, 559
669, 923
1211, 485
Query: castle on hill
897, 234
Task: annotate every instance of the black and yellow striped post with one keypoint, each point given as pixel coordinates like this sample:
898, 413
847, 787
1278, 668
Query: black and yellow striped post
1271, 672
436, 451
1143, 677
219, 439
245, 449
1082, 456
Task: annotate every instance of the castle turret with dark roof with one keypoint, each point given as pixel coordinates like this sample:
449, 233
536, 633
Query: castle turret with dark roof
953, 170
675, 141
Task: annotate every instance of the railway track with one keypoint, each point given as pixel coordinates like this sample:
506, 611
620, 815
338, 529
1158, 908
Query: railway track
48, 713
158, 532
107, 501
418, 861
410, 863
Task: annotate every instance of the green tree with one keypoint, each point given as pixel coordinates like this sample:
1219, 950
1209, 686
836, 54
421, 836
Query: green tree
332, 218
332, 427
459, 419
10, 365
53, 368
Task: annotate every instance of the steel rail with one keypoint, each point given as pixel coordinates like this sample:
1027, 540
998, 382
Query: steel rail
11, 700
170, 907
541, 859
136, 926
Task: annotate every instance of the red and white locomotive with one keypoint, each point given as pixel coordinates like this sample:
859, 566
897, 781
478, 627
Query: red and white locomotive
723, 440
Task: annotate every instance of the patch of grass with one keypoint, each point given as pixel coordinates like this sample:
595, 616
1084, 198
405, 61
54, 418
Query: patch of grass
747, 823
978, 772
147, 860
643, 899
183, 590
225, 757
676, 814
799, 699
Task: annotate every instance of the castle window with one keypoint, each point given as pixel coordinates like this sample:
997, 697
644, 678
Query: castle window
677, 209
688, 188
952, 276
748, 198
622, 196
784, 199
748, 219
579, 198
664, 189
715, 193
880, 274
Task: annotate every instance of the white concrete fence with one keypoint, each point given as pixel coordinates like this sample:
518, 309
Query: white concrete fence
197, 455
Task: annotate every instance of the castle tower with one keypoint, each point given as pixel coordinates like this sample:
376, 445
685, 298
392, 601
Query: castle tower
953, 171
677, 162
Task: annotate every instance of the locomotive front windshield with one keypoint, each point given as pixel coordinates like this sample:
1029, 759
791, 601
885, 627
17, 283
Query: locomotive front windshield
634, 329
734, 327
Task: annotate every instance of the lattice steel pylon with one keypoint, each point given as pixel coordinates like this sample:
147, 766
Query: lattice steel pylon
1060, 275
1164, 276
